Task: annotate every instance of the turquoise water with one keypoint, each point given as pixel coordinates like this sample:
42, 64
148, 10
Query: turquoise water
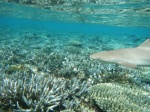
38, 42
52, 25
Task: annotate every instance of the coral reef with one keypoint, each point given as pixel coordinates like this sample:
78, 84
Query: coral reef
36, 94
114, 97
17, 68
144, 75
40, 93
38, 75
85, 68
75, 44
73, 49
56, 2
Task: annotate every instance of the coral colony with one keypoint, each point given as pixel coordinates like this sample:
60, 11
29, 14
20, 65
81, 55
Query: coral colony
48, 79
40, 93
42, 71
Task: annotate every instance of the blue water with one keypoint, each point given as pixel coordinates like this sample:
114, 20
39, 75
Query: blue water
34, 40
73, 27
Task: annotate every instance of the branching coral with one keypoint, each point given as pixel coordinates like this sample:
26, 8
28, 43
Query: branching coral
64, 1
21, 91
84, 68
37, 93
113, 97
75, 90
40, 93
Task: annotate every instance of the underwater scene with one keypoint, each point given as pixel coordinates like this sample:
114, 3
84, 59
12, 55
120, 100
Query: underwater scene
74, 56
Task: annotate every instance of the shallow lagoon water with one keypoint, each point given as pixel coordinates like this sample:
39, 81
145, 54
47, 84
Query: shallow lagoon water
37, 42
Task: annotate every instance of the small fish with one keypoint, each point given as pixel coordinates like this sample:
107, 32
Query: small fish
129, 57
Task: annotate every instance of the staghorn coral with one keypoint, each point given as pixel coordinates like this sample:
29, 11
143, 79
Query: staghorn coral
32, 58
73, 49
36, 94
75, 90
75, 44
68, 110
85, 68
145, 75
39, 93
53, 60
17, 68
55, 2
114, 97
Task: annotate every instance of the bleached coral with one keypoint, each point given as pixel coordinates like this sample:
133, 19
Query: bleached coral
75, 90
37, 93
113, 97
40, 93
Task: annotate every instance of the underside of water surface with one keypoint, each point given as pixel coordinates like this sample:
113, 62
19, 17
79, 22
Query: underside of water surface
45, 48
109, 12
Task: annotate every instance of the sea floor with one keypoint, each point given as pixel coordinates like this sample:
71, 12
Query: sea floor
64, 57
